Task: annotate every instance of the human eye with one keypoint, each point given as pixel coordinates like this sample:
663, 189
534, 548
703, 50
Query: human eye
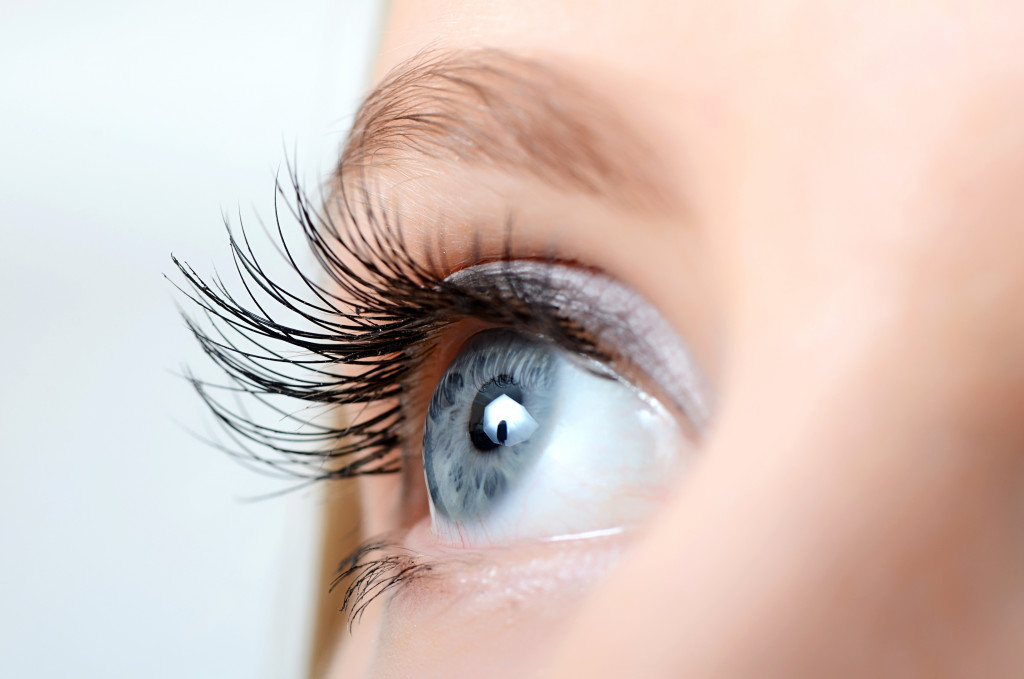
523, 398
528, 439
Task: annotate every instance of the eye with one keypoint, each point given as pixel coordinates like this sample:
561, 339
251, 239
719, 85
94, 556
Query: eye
524, 439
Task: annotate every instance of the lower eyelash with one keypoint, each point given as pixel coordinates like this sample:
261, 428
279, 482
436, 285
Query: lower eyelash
375, 568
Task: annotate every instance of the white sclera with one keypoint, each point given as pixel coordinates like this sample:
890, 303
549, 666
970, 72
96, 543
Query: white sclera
519, 425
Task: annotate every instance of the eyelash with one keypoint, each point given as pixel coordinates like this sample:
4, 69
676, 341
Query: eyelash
382, 326
375, 568
396, 309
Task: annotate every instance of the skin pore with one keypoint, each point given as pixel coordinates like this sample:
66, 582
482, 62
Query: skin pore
824, 200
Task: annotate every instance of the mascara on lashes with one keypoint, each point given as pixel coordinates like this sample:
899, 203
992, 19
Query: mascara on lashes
388, 305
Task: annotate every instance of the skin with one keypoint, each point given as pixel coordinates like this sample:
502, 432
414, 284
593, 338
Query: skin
841, 250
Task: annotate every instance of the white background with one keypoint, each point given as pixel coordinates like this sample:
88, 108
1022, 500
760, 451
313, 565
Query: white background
126, 129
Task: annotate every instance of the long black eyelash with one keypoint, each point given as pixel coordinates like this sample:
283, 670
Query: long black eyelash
375, 568
352, 336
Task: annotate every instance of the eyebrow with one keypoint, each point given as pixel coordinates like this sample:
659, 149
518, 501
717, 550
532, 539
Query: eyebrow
491, 108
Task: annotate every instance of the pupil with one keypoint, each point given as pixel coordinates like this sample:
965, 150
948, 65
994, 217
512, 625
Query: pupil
502, 385
481, 441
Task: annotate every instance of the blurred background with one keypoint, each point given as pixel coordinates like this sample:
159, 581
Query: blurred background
127, 547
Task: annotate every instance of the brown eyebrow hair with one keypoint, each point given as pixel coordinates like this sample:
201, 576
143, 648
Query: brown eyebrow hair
505, 111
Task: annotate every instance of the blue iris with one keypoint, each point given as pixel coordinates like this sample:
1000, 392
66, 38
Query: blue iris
487, 421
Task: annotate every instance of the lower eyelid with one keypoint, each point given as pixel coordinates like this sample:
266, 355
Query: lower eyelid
386, 569
517, 573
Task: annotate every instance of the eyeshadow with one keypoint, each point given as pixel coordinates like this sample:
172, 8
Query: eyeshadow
619, 319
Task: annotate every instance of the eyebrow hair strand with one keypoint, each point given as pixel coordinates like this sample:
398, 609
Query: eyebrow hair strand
492, 108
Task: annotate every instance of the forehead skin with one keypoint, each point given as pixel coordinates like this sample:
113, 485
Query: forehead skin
854, 175
835, 126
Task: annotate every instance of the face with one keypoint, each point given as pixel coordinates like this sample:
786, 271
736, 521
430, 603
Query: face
735, 381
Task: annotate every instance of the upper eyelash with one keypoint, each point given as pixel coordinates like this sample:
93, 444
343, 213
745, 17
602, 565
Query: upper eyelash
381, 324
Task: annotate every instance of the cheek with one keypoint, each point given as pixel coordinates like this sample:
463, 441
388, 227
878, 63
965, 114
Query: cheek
423, 640
491, 615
